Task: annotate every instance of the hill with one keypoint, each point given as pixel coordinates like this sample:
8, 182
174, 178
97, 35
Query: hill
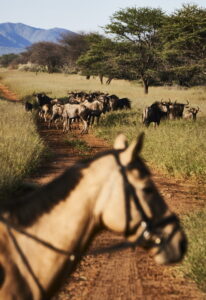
15, 37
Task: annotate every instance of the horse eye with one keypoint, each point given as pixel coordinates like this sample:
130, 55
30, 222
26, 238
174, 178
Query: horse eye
147, 190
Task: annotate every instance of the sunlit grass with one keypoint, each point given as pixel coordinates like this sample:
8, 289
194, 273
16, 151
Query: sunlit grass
20, 146
80, 145
195, 261
176, 147
57, 85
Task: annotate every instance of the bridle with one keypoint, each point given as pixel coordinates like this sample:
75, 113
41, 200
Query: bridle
149, 235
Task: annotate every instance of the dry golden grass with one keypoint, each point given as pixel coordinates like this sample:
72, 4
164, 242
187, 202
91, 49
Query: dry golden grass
57, 85
20, 148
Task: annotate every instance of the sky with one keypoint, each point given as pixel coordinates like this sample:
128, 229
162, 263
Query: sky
77, 15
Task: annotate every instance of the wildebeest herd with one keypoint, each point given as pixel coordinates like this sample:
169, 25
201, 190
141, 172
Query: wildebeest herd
86, 107
77, 106
162, 110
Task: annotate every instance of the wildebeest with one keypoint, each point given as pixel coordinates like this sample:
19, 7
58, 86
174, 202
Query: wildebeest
191, 113
97, 108
154, 113
44, 234
175, 109
43, 99
72, 112
28, 106
163, 110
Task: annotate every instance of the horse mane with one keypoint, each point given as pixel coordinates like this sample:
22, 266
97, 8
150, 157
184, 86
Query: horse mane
27, 209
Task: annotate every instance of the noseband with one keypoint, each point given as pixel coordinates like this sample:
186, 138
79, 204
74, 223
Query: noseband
148, 237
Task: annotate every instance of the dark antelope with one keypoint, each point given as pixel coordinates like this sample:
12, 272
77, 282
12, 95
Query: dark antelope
44, 235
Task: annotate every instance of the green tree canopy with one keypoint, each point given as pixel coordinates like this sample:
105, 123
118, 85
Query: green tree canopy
184, 39
47, 54
101, 57
139, 29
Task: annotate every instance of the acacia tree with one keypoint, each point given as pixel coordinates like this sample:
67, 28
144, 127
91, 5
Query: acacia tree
184, 40
47, 54
139, 28
75, 46
100, 59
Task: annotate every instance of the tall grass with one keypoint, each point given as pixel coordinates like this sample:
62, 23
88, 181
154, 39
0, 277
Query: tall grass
195, 261
57, 85
176, 147
20, 146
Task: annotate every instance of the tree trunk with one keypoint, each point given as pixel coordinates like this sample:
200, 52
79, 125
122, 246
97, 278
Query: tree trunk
109, 80
101, 78
146, 85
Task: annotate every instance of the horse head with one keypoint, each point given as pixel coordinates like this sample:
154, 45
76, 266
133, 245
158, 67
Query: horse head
131, 204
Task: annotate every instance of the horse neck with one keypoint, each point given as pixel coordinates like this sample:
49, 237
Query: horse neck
70, 223
68, 226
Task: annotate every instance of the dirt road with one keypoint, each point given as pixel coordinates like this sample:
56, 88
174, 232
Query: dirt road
129, 274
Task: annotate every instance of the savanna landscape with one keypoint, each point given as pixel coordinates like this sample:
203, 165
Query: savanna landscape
154, 59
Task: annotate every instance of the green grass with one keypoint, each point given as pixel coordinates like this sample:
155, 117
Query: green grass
195, 260
81, 146
20, 146
176, 147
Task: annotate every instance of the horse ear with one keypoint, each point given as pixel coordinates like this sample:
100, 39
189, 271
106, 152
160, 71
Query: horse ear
120, 142
131, 153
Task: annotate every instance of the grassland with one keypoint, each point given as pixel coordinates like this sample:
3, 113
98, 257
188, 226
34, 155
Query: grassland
176, 147
20, 146
194, 263
57, 85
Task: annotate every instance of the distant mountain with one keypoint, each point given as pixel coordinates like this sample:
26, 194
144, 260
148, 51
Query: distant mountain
15, 37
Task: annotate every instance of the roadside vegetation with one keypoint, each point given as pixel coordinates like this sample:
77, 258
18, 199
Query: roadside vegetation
194, 263
20, 148
176, 147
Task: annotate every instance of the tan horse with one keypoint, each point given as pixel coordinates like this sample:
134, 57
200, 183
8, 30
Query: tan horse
44, 235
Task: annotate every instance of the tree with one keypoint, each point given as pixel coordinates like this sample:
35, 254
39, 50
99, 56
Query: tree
184, 38
47, 54
139, 28
100, 58
75, 46
7, 59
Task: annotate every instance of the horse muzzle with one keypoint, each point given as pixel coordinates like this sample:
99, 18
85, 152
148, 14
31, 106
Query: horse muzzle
172, 252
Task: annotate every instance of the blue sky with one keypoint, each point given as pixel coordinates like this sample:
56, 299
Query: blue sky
76, 15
